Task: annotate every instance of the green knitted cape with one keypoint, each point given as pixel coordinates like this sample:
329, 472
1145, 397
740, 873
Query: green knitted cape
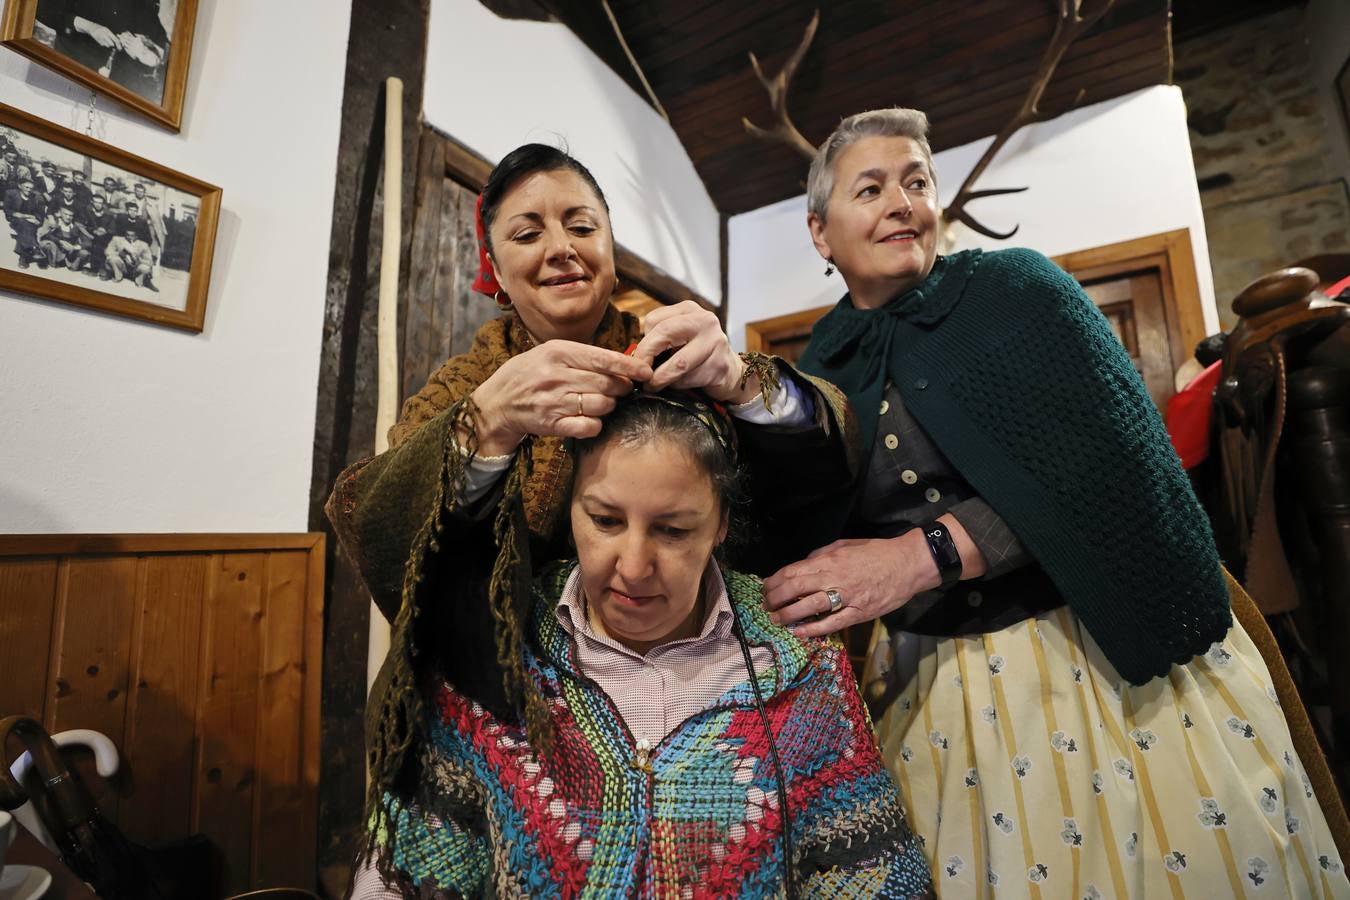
1019, 380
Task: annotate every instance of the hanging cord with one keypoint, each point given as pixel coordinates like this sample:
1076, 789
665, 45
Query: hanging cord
789, 865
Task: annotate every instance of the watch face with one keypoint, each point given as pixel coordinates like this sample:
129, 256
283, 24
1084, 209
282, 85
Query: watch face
944, 551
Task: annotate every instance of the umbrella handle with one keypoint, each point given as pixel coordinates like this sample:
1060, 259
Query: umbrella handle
106, 758
106, 762
73, 804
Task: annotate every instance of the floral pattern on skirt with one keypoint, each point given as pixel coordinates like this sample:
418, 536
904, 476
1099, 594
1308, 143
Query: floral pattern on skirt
1030, 768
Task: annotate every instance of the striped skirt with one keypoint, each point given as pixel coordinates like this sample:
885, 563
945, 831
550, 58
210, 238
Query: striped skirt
1030, 768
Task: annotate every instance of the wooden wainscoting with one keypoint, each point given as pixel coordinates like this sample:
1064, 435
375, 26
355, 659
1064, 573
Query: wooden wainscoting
199, 656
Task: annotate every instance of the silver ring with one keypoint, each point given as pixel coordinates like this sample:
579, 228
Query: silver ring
836, 600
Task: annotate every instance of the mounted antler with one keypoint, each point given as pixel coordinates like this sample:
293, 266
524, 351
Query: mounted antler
784, 131
1072, 23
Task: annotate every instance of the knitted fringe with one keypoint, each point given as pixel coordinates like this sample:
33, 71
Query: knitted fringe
762, 366
509, 595
399, 720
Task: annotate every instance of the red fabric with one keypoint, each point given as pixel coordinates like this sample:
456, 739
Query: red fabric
486, 282
1338, 288
1189, 414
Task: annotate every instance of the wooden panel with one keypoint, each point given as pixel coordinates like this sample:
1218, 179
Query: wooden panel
312, 667
470, 309
227, 713
159, 745
278, 799
456, 262
95, 603
418, 330
27, 604
134, 544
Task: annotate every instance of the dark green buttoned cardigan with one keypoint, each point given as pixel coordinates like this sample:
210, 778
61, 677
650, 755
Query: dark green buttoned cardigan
1018, 379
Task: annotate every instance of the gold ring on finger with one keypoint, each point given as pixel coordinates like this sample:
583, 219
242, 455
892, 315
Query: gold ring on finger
581, 410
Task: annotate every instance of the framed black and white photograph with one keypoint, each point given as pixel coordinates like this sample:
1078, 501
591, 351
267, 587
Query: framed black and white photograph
136, 51
85, 223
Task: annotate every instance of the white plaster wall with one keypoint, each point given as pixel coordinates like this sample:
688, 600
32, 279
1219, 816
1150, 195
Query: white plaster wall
114, 425
536, 81
1106, 173
1327, 23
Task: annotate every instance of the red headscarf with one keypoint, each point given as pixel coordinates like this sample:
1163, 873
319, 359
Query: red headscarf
486, 282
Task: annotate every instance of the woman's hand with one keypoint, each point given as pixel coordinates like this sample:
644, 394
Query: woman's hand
704, 358
873, 577
559, 388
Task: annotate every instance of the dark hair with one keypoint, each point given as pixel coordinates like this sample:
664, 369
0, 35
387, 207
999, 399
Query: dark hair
527, 160
643, 418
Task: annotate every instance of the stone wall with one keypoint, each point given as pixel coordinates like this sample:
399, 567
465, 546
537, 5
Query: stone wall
1270, 190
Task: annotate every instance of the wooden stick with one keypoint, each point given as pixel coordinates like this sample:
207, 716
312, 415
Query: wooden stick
632, 61
377, 646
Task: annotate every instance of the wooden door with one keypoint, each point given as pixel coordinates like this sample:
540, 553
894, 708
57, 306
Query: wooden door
1133, 305
1148, 291
443, 311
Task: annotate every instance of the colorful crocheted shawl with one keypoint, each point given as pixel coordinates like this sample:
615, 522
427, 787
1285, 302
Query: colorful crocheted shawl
698, 817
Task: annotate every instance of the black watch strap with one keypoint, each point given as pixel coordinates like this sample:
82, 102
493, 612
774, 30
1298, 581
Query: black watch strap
945, 554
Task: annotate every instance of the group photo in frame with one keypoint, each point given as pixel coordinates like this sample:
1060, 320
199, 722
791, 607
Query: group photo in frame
135, 51
85, 223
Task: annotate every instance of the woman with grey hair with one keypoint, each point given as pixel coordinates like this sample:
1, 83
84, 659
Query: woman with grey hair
1071, 709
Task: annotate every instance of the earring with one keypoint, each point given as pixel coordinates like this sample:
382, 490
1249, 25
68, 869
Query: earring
829, 267
503, 305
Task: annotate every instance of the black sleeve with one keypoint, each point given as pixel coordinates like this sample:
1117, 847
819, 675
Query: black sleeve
58, 14
791, 473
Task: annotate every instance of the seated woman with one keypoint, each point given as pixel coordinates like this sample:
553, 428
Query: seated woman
1073, 708
679, 729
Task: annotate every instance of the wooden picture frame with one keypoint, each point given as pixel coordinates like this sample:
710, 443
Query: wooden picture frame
144, 251
155, 91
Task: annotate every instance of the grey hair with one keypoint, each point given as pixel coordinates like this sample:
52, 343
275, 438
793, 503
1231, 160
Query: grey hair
893, 122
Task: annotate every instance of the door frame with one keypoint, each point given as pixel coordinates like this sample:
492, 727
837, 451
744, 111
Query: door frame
1170, 252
